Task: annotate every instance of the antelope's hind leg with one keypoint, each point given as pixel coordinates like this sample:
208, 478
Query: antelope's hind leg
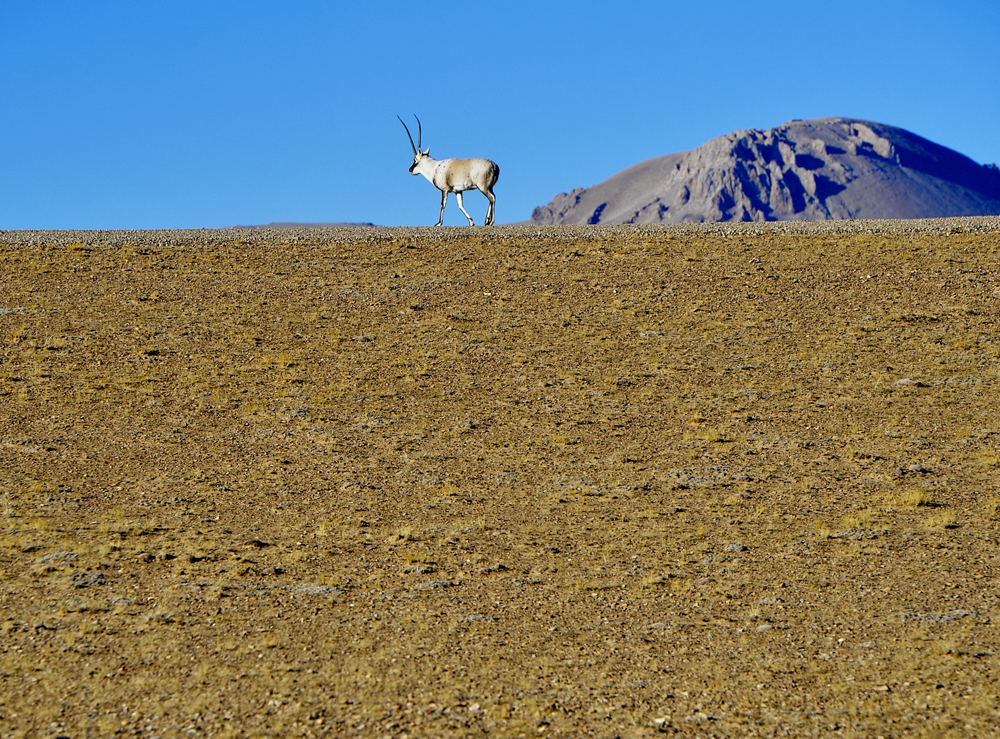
444, 202
491, 214
459, 196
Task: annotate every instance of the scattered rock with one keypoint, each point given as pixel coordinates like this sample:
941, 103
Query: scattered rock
436, 584
88, 579
420, 569
58, 557
934, 617
163, 617
488, 569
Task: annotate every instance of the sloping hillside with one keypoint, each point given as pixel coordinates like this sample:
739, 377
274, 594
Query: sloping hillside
731, 480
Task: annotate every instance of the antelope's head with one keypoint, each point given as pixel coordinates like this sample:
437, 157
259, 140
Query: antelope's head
418, 155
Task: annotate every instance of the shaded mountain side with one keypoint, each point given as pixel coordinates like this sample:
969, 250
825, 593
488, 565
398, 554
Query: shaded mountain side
828, 168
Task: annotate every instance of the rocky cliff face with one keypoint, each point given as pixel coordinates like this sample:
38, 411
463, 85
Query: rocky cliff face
829, 168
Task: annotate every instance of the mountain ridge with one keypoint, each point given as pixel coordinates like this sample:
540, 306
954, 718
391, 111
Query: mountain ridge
820, 169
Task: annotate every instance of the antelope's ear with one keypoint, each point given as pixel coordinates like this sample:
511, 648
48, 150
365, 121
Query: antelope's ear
427, 151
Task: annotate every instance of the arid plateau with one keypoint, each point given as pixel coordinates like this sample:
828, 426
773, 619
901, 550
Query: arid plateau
720, 480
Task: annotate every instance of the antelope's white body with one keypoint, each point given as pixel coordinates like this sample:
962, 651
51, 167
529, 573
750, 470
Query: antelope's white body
456, 176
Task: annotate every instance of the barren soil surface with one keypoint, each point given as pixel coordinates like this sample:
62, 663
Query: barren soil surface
717, 481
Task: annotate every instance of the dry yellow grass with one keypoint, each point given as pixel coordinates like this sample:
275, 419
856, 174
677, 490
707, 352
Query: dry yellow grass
520, 481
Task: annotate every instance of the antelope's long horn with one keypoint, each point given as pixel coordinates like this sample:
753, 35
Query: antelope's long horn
420, 132
408, 136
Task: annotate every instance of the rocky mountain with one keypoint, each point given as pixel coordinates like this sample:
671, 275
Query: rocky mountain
828, 168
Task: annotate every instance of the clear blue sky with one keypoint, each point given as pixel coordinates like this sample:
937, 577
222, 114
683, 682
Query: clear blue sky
182, 114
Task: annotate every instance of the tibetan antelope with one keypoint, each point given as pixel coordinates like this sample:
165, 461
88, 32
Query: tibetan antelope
455, 175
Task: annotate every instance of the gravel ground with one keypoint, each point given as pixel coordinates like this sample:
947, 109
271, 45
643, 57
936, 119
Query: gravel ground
714, 480
367, 234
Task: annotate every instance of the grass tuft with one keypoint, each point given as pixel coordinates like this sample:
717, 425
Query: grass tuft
914, 498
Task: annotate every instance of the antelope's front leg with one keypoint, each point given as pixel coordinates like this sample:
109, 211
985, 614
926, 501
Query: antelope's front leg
459, 196
444, 202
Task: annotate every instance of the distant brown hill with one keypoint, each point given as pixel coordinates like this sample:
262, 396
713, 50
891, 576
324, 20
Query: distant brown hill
823, 169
